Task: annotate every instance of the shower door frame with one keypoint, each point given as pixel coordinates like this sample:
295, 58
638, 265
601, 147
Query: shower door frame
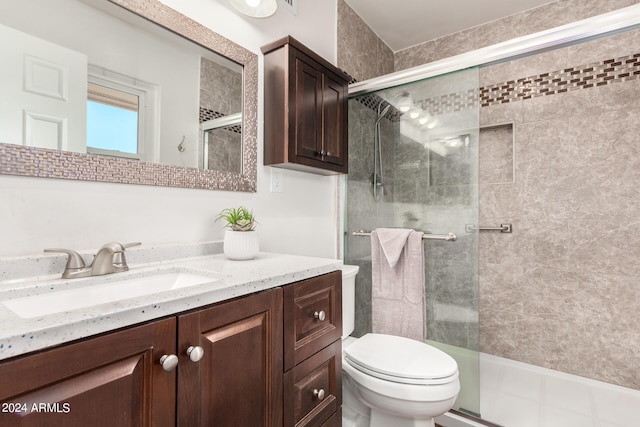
607, 24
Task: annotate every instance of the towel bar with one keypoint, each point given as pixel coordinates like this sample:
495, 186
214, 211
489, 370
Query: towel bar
450, 237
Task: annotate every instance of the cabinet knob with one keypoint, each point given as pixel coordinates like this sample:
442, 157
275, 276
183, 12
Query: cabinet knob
169, 362
320, 315
329, 153
318, 394
195, 353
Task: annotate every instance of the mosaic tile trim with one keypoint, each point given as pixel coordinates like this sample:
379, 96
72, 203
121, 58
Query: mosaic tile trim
596, 74
601, 73
450, 103
206, 114
38, 162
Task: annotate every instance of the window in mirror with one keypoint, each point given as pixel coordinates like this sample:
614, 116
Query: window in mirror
120, 119
112, 121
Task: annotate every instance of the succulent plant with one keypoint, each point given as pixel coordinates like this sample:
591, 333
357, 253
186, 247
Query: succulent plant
238, 219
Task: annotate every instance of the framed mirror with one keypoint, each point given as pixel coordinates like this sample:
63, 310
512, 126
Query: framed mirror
125, 91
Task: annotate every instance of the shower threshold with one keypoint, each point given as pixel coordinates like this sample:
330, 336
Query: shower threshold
455, 418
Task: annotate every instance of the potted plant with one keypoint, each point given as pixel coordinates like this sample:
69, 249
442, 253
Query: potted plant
240, 238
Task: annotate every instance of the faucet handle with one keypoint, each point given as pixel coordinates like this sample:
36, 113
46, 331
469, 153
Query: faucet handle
119, 260
75, 262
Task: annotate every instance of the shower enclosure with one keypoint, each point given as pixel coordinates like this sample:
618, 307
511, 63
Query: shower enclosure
542, 134
414, 164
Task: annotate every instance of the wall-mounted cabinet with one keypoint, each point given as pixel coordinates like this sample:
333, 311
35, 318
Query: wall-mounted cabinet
305, 111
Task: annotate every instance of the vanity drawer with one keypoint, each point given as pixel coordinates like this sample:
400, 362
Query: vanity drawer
313, 389
312, 315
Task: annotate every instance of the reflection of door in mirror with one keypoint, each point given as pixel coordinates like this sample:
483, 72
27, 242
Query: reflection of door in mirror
47, 86
220, 117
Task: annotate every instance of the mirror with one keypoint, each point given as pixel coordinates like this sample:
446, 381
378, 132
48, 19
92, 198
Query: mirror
182, 98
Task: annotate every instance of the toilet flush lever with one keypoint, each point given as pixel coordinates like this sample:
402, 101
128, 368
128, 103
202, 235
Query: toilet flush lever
320, 315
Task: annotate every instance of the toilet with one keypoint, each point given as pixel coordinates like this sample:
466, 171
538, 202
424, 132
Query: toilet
391, 381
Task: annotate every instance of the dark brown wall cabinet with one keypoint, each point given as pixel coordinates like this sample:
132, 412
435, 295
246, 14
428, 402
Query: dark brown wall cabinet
305, 110
269, 359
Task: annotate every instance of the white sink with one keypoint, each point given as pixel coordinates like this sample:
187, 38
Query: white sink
90, 295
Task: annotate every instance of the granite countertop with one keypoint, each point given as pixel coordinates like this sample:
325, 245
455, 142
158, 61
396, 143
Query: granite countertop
232, 279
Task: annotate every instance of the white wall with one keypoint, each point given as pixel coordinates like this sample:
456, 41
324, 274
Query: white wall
38, 213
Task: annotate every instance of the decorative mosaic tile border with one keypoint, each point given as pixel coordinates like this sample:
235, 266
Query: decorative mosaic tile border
450, 103
38, 162
596, 74
601, 73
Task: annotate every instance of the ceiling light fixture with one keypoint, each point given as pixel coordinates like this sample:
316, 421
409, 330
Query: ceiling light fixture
405, 103
255, 8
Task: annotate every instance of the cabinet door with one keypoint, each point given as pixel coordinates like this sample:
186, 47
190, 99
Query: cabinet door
111, 380
238, 382
334, 122
307, 108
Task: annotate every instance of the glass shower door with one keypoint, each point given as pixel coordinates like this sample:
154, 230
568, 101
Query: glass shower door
413, 160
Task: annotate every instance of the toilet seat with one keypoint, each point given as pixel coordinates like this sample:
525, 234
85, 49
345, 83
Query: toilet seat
401, 360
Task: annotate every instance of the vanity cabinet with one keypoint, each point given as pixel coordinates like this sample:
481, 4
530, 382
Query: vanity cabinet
109, 380
313, 351
306, 110
269, 359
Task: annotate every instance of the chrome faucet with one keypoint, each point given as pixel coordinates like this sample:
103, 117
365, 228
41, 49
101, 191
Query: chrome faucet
109, 259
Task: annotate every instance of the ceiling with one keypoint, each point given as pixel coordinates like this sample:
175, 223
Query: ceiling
405, 23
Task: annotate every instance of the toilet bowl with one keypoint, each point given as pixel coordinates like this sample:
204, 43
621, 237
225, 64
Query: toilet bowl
391, 381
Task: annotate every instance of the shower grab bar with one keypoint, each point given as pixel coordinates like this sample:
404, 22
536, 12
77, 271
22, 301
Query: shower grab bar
504, 228
450, 237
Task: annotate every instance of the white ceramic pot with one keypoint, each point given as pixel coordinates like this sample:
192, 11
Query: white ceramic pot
241, 245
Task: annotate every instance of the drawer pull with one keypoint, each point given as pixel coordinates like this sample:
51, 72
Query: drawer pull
169, 362
318, 394
195, 353
320, 315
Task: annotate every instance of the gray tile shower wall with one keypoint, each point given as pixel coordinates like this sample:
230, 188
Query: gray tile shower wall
360, 50
560, 290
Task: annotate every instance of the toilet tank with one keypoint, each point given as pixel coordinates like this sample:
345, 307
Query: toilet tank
348, 298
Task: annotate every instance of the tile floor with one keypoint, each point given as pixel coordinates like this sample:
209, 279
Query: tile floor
515, 394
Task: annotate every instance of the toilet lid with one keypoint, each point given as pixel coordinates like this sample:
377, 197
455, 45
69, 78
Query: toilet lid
400, 359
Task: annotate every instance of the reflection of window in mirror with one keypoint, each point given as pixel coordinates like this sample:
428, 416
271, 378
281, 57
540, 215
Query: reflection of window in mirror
120, 119
112, 121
